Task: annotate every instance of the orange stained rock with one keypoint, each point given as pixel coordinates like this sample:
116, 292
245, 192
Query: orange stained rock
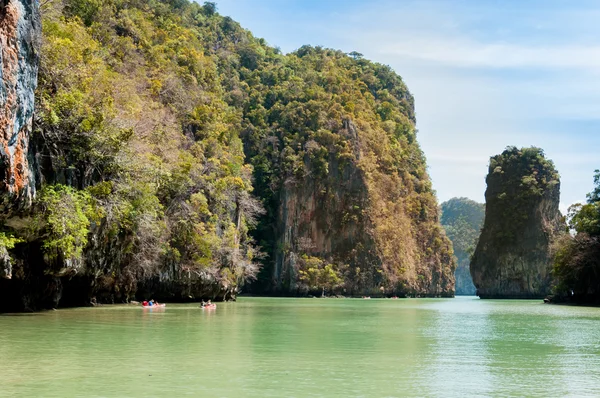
13, 143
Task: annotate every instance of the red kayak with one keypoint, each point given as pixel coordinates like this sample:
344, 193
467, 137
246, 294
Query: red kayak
154, 306
209, 307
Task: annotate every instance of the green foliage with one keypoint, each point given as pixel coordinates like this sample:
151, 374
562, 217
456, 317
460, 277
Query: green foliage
66, 214
458, 211
594, 196
585, 218
134, 120
85, 9
209, 8
8, 241
525, 168
518, 177
315, 114
316, 273
577, 258
576, 267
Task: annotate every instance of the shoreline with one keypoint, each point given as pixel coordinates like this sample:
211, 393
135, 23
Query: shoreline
135, 303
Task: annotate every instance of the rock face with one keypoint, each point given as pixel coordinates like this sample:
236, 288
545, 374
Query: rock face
323, 218
20, 32
462, 219
512, 258
344, 182
359, 218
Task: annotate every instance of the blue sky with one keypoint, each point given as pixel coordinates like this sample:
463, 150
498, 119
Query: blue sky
485, 74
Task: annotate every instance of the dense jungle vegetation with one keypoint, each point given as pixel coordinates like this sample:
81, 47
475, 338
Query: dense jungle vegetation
577, 255
141, 139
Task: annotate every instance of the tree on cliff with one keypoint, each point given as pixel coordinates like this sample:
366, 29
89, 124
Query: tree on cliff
512, 258
318, 274
462, 220
577, 258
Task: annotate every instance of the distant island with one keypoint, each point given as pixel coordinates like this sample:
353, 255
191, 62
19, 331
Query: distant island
462, 219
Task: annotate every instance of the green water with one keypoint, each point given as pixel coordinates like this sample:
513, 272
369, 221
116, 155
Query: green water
261, 347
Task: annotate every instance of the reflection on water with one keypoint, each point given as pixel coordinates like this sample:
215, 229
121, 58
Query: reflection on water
306, 347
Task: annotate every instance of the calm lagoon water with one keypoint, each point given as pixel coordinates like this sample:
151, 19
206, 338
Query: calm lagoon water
267, 347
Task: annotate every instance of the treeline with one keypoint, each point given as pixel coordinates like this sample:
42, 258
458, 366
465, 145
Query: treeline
577, 255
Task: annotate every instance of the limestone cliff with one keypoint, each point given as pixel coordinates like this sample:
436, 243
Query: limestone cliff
344, 181
357, 218
20, 32
175, 154
323, 217
512, 258
126, 203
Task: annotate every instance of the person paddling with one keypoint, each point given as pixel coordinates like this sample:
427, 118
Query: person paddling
206, 304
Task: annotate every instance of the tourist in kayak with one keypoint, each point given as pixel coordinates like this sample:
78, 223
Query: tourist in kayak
205, 304
150, 303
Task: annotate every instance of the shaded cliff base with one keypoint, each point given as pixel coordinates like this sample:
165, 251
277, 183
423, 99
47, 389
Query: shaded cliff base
47, 292
588, 300
511, 296
374, 295
41, 292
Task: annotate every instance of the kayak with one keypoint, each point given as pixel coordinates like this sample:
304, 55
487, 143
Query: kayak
209, 307
154, 306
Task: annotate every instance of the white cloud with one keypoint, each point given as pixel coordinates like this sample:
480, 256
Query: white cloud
473, 98
465, 53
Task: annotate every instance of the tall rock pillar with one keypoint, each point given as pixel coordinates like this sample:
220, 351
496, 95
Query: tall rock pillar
512, 258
